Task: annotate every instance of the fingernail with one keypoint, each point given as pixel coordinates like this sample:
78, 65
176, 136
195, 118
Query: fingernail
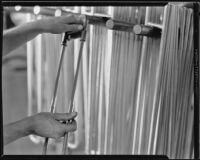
80, 27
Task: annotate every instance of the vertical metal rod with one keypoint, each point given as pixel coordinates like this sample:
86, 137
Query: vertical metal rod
55, 89
65, 149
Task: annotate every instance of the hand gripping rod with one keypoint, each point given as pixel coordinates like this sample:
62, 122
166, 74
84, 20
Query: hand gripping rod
67, 37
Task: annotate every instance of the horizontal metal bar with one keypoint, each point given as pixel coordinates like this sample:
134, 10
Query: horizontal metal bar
144, 30
119, 25
139, 29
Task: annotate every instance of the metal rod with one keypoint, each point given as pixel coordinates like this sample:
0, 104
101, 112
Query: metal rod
83, 36
56, 88
139, 29
119, 25
145, 30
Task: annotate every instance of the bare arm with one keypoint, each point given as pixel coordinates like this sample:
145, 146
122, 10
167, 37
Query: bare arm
17, 36
42, 124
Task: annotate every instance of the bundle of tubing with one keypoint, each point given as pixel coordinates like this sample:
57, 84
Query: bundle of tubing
144, 79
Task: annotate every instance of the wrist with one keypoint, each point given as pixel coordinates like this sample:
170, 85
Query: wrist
38, 26
41, 26
28, 125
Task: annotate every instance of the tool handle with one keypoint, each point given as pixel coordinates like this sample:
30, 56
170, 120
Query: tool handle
70, 35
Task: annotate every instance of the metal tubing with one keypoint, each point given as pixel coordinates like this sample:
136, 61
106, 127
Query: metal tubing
139, 29
145, 30
83, 36
55, 91
119, 25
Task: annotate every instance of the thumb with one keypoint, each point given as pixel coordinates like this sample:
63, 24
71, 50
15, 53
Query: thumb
65, 116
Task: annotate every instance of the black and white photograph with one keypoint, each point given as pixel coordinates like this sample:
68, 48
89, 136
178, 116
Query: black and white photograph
99, 80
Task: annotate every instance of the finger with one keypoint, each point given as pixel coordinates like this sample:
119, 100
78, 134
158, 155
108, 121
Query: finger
70, 127
73, 27
73, 19
65, 116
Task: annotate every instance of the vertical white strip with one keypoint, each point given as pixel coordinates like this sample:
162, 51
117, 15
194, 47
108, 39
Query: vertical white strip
29, 70
85, 87
144, 97
77, 95
138, 96
156, 130
141, 122
87, 140
107, 66
100, 105
155, 95
39, 70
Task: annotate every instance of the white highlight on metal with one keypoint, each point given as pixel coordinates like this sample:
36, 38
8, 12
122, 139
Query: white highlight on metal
76, 52
155, 25
85, 87
101, 15
142, 121
39, 70
87, 129
58, 12
161, 18
36, 10
92, 152
18, 8
136, 11
76, 9
29, 70
138, 97
154, 101
108, 57
156, 130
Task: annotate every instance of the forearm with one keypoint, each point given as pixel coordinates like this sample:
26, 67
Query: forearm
17, 130
17, 36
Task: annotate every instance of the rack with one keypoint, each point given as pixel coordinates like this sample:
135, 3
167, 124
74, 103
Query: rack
100, 19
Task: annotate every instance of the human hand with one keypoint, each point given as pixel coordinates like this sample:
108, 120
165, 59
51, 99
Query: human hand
66, 23
48, 124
